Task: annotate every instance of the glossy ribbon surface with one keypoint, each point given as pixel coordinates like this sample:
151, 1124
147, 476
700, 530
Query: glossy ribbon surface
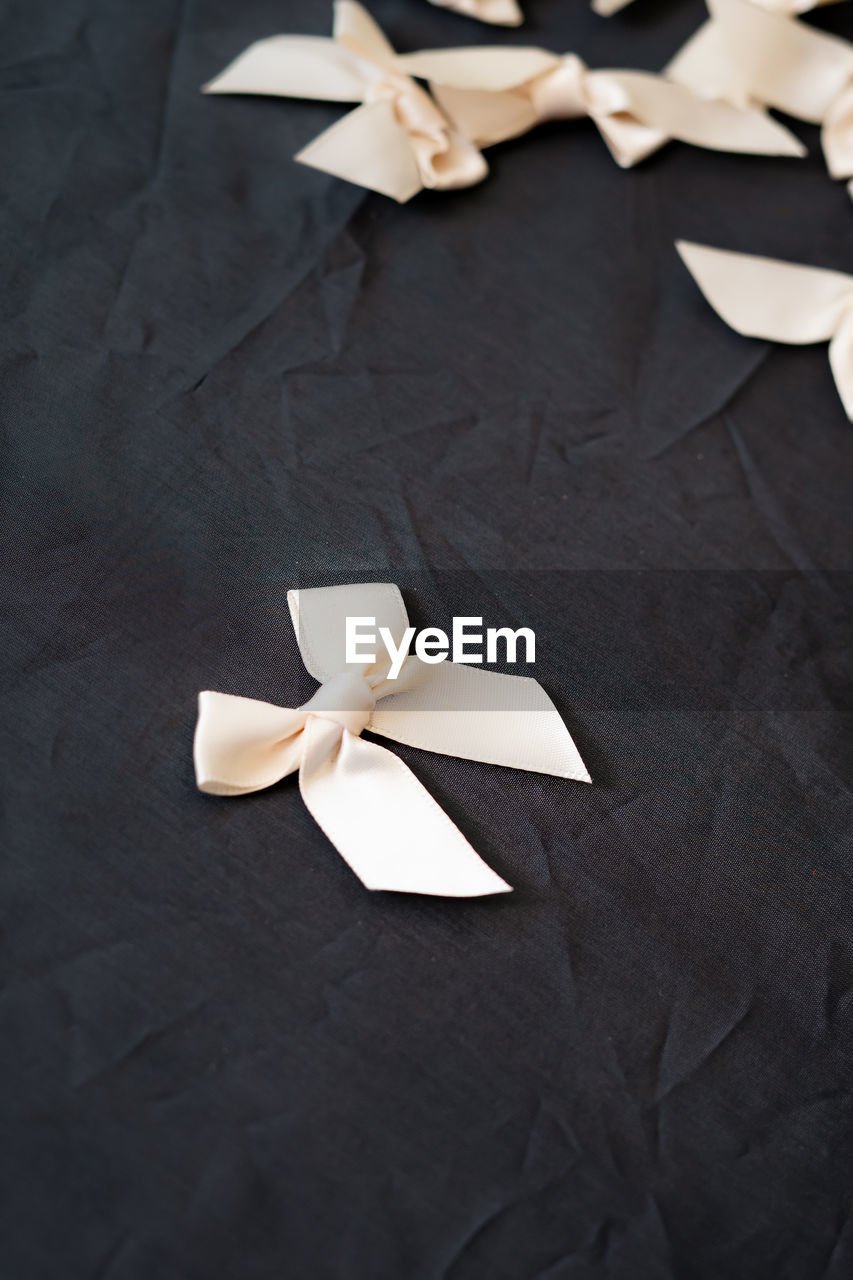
495, 93
382, 821
780, 301
503, 13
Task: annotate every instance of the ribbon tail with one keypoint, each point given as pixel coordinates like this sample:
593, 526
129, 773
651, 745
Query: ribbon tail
383, 823
765, 298
629, 141
841, 362
501, 13
369, 148
482, 715
703, 122
486, 118
354, 27
295, 67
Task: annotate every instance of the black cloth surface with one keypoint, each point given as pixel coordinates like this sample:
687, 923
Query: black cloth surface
224, 375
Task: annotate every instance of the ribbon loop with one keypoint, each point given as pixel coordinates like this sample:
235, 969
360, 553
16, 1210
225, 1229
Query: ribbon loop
561, 94
373, 809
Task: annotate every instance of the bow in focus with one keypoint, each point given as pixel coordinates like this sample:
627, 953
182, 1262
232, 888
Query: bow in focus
397, 142
382, 821
749, 55
780, 301
496, 93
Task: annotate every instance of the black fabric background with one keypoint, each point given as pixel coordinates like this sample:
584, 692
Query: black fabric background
224, 374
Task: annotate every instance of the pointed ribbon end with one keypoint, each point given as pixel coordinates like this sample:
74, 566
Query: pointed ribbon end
481, 886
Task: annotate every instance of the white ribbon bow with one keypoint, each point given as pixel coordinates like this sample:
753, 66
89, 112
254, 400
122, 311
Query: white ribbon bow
496, 93
503, 13
372, 808
780, 301
748, 55
397, 142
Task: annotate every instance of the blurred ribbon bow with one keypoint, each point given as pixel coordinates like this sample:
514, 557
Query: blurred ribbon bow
780, 301
495, 93
748, 55
384, 824
397, 142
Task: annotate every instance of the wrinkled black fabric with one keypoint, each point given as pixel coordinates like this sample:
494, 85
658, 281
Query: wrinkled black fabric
224, 374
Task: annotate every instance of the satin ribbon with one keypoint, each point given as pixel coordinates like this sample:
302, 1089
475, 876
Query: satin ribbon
379, 817
397, 142
606, 8
747, 55
496, 93
780, 301
503, 13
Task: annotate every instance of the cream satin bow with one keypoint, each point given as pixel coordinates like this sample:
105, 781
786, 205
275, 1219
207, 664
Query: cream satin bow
372, 808
397, 142
496, 93
780, 301
747, 55
503, 13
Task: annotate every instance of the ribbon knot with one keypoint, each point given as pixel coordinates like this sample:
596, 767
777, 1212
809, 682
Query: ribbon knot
347, 699
562, 93
428, 131
373, 809
397, 142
